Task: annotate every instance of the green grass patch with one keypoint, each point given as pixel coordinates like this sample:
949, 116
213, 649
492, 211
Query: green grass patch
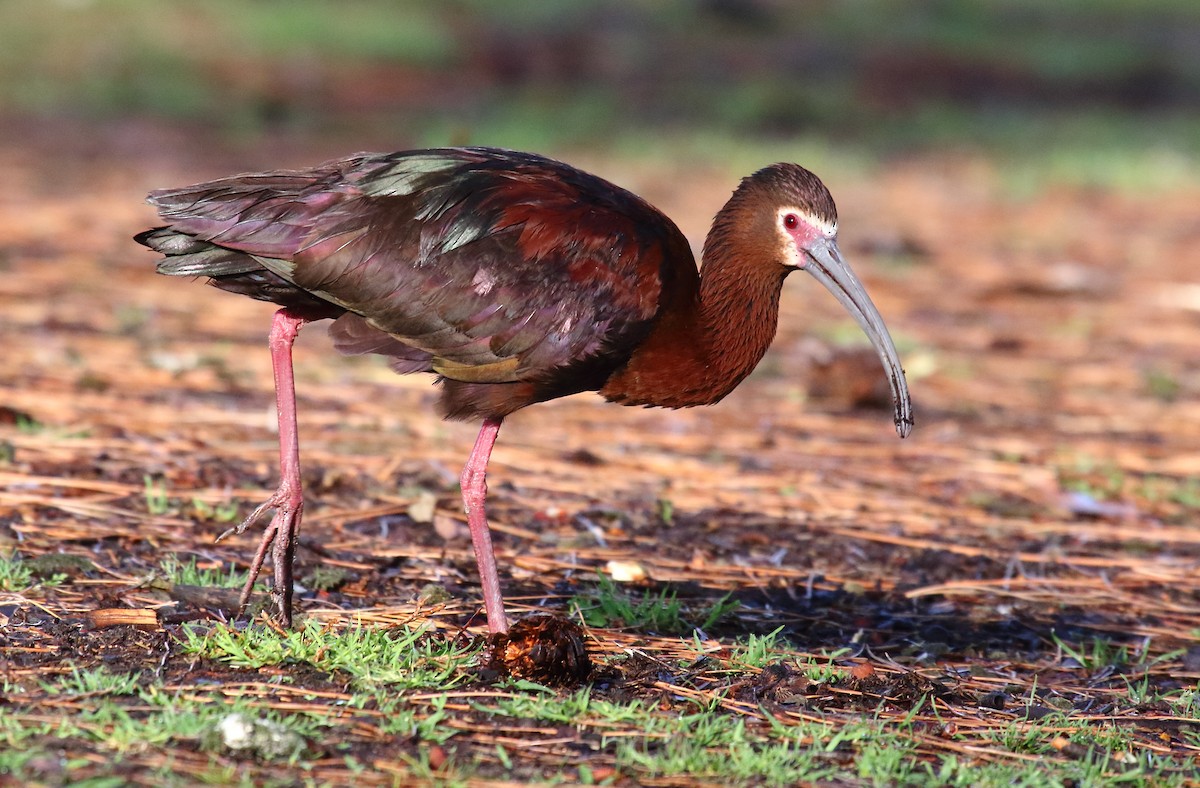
190, 572
128, 55
18, 574
398, 658
15, 574
400, 697
124, 714
609, 604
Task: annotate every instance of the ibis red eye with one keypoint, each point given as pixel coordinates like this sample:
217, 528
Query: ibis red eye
791, 221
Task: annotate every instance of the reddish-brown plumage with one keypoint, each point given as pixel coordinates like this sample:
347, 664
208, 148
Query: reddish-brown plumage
516, 279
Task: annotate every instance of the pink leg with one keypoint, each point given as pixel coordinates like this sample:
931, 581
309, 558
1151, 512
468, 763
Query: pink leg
288, 499
474, 493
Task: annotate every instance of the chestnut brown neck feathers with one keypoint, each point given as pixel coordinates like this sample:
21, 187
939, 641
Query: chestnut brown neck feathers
711, 336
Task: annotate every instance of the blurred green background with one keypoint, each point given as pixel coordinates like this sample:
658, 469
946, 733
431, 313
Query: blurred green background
1088, 90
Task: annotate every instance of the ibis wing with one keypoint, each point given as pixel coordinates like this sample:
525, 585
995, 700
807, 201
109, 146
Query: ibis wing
240, 231
485, 265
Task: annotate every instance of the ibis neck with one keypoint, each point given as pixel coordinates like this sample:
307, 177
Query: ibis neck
706, 342
738, 315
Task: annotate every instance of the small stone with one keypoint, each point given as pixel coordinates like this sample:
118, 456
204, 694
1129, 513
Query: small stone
626, 571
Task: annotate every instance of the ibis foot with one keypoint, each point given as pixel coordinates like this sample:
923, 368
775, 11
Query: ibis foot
279, 538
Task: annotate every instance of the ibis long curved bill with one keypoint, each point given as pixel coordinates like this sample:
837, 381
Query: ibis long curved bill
829, 268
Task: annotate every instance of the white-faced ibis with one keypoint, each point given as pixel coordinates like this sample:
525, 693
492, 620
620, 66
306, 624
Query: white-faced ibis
515, 279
